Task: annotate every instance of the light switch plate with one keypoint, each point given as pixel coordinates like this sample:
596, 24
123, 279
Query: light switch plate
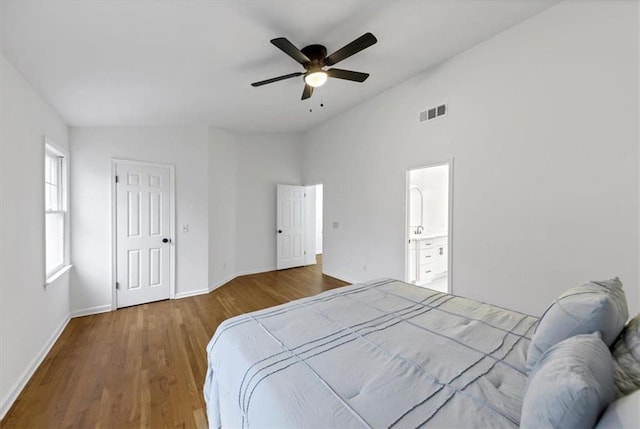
185, 228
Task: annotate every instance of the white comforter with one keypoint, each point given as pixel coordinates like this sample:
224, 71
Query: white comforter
381, 354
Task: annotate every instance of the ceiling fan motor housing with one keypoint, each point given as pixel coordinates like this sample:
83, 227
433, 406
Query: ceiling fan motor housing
317, 54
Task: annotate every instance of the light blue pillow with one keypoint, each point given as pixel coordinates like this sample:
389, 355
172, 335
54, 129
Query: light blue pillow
570, 386
593, 306
623, 413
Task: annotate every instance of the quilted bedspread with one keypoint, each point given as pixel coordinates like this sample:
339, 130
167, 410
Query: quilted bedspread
379, 354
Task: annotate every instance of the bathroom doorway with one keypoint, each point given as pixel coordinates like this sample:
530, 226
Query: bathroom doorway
428, 230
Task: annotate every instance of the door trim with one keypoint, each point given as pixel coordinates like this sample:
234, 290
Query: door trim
172, 224
449, 162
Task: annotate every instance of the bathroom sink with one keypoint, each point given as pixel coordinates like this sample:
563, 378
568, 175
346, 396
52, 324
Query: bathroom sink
425, 236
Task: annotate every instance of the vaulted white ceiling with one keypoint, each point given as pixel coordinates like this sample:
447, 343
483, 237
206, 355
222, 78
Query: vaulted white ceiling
133, 63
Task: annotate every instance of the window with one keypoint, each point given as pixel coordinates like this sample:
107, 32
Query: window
55, 205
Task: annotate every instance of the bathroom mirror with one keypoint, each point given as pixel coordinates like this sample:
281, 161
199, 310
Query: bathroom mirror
416, 207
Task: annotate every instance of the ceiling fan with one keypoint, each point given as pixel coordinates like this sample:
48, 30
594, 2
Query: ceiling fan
314, 57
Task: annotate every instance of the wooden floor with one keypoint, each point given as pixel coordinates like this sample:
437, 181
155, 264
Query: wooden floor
144, 366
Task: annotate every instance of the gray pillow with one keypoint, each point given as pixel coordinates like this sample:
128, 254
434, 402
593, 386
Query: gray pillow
626, 358
593, 306
623, 413
570, 386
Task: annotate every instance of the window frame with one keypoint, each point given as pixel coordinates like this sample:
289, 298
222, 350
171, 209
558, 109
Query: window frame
62, 205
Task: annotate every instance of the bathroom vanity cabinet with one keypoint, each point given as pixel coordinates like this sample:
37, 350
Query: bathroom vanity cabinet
428, 258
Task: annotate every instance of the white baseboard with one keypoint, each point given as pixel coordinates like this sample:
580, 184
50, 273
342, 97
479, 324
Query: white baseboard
215, 286
91, 310
222, 282
339, 277
191, 293
8, 401
207, 290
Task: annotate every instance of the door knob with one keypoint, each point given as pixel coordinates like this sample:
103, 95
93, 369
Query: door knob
279, 231
166, 240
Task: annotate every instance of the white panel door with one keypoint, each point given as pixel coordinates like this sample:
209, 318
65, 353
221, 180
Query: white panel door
290, 226
143, 227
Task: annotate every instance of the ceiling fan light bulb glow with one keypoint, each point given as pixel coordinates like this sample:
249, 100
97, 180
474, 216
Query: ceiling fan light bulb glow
316, 79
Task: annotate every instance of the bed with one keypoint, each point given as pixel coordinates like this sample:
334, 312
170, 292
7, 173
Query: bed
378, 354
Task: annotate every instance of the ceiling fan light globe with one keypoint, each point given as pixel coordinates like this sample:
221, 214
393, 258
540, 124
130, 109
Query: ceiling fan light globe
316, 79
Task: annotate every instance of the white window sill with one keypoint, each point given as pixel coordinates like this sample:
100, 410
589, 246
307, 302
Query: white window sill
55, 276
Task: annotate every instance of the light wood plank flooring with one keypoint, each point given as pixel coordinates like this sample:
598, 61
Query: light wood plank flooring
144, 366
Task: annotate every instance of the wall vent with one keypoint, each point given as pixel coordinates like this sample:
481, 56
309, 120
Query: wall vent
433, 113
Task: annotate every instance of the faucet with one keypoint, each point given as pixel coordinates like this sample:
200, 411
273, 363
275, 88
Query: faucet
419, 230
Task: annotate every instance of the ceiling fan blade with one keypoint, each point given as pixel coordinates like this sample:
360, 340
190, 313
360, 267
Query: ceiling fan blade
288, 48
348, 75
276, 79
307, 92
354, 47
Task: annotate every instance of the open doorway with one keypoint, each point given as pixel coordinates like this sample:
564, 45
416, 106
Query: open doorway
314, 195
428, 253
319, 230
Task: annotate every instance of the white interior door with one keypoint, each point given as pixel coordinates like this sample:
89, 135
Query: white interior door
290, 226
143, 228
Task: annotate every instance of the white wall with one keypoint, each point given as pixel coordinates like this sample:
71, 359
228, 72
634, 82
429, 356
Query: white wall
243, 173
543, 128
92, 150
223, 170
263, 162
30, 316
225, 192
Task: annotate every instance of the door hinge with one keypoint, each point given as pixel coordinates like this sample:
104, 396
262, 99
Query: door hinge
116, 179
305, 195
117, 285
305, 252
